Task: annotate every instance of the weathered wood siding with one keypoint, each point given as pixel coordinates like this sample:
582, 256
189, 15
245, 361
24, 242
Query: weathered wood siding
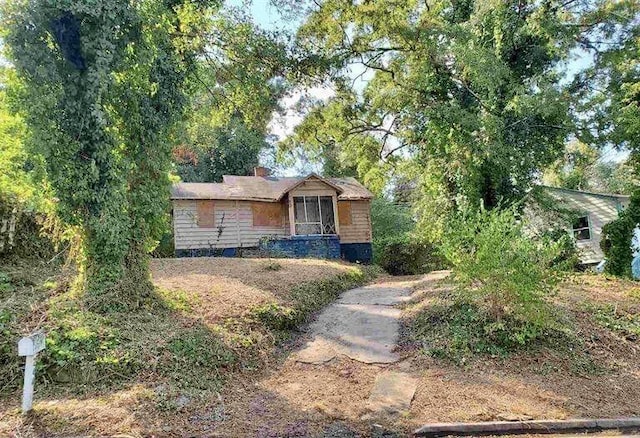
233, 226
601, 210
358, 230
313, 188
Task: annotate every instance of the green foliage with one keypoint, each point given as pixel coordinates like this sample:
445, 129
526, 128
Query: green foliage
7, 344
616, 239
216, 151
389, 219
624, 322
568, 256
240, 81
196, 349
166, 245
17, 185
5, 283
462, 329
582, 168
467, 92
276, 317
100, 100
498, 267
407, 255
396, 247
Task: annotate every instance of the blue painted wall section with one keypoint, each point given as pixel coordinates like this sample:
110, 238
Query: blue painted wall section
322, 247
356, 252
207, 252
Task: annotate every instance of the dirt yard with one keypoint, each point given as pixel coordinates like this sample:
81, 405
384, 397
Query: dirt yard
286, 398
230, 287
602, 379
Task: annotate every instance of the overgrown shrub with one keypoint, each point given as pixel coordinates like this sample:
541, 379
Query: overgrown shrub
568, 257
395, 247
165, 247
502, 271
461, 329
616, 239
407, 255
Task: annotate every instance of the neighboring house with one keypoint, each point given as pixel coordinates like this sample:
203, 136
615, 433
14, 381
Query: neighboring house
306, 216
593, 211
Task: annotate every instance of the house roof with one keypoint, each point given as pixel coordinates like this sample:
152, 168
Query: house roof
265, 188
606, 195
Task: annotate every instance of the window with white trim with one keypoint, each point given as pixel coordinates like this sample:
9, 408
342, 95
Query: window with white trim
582, 228
314, 215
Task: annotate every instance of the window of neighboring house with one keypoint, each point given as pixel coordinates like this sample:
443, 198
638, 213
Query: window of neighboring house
314, 215
581, 228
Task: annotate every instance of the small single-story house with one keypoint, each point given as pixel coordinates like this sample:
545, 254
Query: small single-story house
307, 216
593, 211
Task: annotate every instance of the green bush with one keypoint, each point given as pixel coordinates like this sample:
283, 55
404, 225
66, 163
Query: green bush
165, 247
461, 329
616, 239
407, 255
568, 257
505, 273
395, 248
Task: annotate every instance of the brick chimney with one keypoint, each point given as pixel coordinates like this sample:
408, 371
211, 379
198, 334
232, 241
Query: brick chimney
260, 171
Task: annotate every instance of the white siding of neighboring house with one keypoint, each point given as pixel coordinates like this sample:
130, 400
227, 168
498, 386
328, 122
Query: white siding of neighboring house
233, 226
601, 210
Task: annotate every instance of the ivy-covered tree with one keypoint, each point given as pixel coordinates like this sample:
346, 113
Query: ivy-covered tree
101, 85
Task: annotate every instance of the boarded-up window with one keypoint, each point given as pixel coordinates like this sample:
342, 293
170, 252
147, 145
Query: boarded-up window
344, 212
267, 214
206, 217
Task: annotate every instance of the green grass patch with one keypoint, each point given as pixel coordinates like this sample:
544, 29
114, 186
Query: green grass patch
616, 319
459, 330
310, 297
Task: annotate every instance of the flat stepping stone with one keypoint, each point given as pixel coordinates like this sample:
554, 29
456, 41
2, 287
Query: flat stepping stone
376, 295
366, 333
392, 392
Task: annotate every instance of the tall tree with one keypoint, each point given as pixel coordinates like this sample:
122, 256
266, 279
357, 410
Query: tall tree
240, 79
213, 151
101, 85
468, 91
610, 104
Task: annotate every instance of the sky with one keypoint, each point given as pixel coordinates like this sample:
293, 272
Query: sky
268, 17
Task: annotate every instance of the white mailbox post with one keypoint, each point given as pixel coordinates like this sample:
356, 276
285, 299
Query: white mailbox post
29, 346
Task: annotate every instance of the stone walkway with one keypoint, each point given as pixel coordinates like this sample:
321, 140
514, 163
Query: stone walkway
364, 325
